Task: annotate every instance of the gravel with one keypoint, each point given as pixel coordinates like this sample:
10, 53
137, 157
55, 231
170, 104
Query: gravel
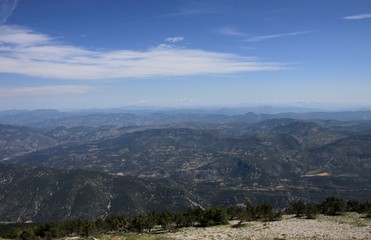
348, 226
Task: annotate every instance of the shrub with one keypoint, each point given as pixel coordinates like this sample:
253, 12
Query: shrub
311, 211
332, 206
298, 208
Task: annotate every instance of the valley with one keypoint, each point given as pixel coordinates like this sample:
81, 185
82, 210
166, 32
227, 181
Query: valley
97, 165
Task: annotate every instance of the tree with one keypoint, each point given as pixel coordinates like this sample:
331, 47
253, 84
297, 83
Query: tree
49, 230
218, 215
71, 227
138, 223
204, 220
15, 233
102, 225
236, 213
192, 215
150, 221
27, 234
88, 228
213, 216
353, 206
311, 211
180, 220
117, 223
263, 211
297, 208
332, 206
250, 212
165, 220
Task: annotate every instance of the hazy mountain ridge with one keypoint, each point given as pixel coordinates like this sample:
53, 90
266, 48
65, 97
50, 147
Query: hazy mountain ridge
53, 118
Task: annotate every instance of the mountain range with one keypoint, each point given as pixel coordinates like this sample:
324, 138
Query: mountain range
58, 166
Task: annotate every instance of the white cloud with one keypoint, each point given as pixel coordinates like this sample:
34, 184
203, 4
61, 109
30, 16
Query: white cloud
174, 39
358, 17
15, 35
42, 91
23, 51
230, 31
280, 35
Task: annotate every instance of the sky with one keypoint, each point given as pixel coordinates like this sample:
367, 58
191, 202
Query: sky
80, 54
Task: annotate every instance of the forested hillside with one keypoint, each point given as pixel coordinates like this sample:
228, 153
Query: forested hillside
95, 171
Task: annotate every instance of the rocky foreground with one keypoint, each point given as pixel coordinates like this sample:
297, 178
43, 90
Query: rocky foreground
346, 227
349, 226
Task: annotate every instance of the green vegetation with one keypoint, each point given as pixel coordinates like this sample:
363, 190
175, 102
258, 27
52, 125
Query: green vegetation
166, 221
331, 206
262, 212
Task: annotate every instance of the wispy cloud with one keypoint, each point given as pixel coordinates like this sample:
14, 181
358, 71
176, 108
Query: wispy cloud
273, 36
23, 51
189, 12
15, 35
248, 48
6, 9
230, 31
358, 16
43, 91
174, 39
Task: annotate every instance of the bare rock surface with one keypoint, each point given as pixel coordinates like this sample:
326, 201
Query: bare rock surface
349, 226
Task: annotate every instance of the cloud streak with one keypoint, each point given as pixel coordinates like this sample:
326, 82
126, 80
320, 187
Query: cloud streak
43, 91
230, 31
6, 9
23, 51
358, 16
273, 36
22, 37
189, 12
174, 39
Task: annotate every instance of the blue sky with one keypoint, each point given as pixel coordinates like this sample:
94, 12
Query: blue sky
75, 54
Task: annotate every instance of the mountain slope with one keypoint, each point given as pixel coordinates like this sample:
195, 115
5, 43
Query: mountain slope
40, 194
175, 152
139, 169
16, 140
347, 157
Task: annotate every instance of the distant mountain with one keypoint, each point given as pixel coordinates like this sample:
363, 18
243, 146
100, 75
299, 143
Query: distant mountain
51, 118
280, 158
310, 132
81, 134
169, 152
94, 169
340, 115
16, 141
28, 118
272, 147
345, 157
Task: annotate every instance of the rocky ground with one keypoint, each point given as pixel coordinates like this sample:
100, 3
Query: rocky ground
349, 226
346, 227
